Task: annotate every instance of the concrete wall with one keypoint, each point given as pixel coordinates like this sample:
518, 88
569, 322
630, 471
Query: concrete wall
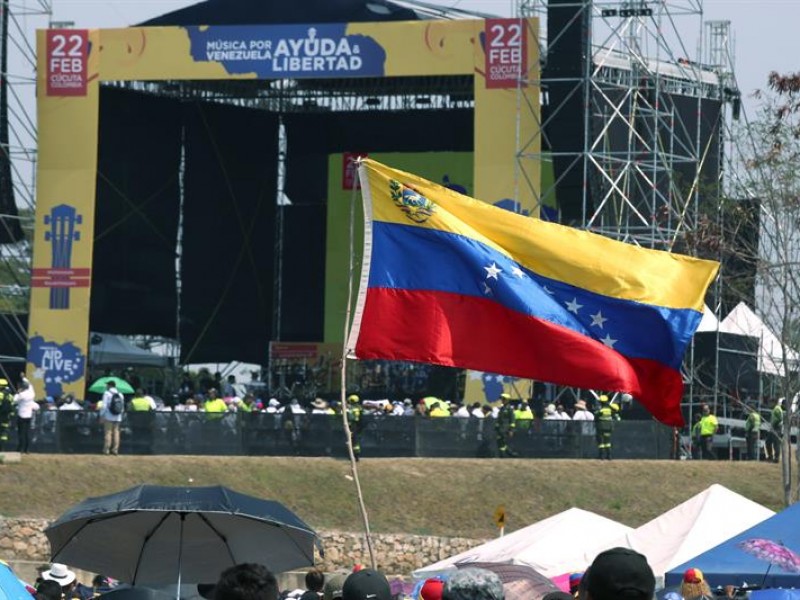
24, 546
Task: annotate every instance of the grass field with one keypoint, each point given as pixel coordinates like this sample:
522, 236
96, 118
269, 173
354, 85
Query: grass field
419, 496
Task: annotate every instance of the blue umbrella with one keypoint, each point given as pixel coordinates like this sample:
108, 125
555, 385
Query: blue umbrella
11, 588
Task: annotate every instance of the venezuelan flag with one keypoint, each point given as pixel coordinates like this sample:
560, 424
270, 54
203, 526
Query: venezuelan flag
449, 280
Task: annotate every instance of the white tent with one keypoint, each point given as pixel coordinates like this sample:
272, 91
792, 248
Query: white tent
743, 321
709, 322
108, 349
544, 545
677, 536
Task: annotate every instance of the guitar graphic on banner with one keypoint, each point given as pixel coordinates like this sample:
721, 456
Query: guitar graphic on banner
61, 276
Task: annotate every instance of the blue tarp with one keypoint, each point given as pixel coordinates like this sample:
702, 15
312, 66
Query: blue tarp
11, 588
766, 555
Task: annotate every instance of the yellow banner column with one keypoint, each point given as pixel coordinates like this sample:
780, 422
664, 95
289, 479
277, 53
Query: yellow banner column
506, 125
68, 106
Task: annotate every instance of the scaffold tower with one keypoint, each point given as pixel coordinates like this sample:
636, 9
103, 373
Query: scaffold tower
631, 115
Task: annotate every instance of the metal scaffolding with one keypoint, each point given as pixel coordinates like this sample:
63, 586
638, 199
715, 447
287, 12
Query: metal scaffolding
648, 109
17, 104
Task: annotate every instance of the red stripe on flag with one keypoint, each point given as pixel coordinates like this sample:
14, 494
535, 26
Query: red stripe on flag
477, 333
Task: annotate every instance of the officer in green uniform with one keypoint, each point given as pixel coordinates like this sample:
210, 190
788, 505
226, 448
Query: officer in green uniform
607, 412
354, 421
504, 427
523, 416
708, 429
6, 412
775, 435
752, 434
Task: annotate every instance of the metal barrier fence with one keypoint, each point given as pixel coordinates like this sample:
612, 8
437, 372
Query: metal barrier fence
231, 434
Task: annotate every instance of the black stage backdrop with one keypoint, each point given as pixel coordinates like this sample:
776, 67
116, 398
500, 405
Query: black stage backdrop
136, 216
310, 139
228, 244
228, 233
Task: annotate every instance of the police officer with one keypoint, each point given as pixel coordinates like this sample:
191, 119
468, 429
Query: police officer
752, 434
6, 412
708, 428
504, 427
607, 412
354, 413
775, 435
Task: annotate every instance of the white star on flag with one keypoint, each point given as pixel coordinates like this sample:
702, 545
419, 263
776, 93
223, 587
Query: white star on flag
573, 306
548, 290
486, 289
598, 319
517, 272
609, 341
492, 271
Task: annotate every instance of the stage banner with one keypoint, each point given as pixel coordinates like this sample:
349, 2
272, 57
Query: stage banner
506, 122
451, 169
485, 388
304, 368
67, 103
325, 50
507, 115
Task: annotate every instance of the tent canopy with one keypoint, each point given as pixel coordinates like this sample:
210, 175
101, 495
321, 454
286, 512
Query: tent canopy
743, 321
112, 349
545, 545
745, 558
692, 527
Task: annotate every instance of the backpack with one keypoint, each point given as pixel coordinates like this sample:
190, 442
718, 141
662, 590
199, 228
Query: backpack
117, 404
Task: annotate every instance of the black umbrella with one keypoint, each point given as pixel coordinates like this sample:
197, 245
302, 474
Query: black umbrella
159, 535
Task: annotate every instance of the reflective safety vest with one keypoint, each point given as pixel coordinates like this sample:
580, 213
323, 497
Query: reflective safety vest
140, 404
217, 405
708, 425
524, 416
753, 422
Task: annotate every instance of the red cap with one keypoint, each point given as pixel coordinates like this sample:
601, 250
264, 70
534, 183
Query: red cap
693, 576
431, 590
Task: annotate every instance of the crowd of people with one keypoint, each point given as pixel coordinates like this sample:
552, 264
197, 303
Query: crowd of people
614, 574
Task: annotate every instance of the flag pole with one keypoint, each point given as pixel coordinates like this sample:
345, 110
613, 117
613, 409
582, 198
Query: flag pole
343, 373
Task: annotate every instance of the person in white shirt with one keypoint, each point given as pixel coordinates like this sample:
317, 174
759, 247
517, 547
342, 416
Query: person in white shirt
25, 399
550, 413
70, 403
562, 413
581, 414
477, 411
462, 412
111, 422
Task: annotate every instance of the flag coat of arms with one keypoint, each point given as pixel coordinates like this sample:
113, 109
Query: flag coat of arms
453, 281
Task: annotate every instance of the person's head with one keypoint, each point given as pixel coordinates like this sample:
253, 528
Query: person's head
315, 579
366, 584
620, 574
246, 581
574, 582
111, 384
505, 398
602, 399
332, 590
706, 409
48, 590
473, 584
694, 585
353, 399
61, 575
432, 589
